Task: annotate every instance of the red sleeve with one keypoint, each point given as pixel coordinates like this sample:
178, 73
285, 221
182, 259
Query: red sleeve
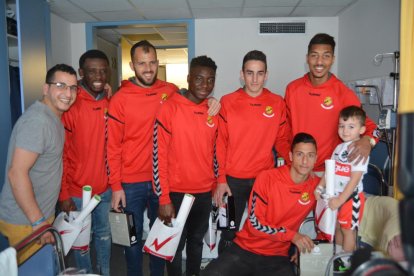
259, 197
116, 127
68, 123
221, 144
282, 143
161, 146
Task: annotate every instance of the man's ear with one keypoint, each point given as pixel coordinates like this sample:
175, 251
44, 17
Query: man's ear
290, 156
45, 89
80, 72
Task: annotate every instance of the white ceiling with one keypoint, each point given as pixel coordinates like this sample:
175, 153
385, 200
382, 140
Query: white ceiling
174, 35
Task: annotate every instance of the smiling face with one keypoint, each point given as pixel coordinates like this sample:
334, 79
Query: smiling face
200, 83
350, 129
94, 74
254, 75
145, 66
320, 59
58, 98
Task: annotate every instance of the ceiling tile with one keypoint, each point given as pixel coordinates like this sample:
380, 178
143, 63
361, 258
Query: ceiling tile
118, 15
217, 13
316, 11
171, 36
310, 3
103, 5
63, 6
267, 12
78, 17
194, 4
271, 3
167, 13
155, 4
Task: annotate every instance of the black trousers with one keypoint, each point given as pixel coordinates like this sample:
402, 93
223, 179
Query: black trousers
195, 228
240, 189
237, 261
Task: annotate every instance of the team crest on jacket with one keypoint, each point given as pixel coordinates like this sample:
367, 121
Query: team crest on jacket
304, 198
164, 97
210, 121
268, 112
327, 103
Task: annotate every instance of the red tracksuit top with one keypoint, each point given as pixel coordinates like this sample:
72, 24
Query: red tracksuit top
277, 207
184, 139
315, 110
249, 128
130, 126
84, 150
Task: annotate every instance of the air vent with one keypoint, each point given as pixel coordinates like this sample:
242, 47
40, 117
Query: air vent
282, 27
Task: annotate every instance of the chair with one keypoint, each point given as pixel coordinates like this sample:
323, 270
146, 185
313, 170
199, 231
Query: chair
374, 182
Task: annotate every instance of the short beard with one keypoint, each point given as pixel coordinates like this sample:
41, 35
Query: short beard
141, 80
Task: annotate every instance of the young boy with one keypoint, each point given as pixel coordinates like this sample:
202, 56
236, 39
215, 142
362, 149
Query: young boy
349, 198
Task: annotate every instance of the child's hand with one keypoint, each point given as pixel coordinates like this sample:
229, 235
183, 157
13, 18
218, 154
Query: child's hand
318, 192
334, 203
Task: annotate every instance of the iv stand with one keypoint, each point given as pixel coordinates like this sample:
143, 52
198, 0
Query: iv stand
395, 75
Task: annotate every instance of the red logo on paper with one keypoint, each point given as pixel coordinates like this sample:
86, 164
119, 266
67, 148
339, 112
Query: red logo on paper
158, 246
342, 169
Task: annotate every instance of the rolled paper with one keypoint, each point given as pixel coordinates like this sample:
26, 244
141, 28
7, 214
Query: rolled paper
88, 209
86, 195
184, 210
330, 176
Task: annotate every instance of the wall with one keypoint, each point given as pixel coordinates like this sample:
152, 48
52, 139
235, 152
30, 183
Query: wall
367, 28
61, 40
112, 52
228, 40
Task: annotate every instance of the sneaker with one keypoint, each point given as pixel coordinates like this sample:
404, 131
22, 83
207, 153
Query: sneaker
340, 266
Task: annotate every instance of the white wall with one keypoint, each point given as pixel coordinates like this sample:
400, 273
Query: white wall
61, 40
367, 28
112, 53
226, 41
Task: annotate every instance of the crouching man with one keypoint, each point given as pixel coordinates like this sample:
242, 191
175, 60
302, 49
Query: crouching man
280, 200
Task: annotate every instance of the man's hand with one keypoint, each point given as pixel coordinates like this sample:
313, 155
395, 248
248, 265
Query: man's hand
334, 203
213, 106
359, 150
46, 237
221, 189
166, 212
303, 243
108, 90
118, 197
67, 205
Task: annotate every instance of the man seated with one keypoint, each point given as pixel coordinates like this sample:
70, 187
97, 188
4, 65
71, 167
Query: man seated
281, 199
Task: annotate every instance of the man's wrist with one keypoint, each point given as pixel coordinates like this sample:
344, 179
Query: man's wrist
39, 221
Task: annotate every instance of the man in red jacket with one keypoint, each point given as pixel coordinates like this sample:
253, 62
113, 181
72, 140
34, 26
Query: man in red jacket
252, 124
314, 101
281, 199
184, 148
131, 115
84, 160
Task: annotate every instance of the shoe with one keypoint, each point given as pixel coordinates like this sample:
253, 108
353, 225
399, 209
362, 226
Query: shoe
340, 266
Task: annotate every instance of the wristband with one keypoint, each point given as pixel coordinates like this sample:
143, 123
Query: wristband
319, 189
39, 221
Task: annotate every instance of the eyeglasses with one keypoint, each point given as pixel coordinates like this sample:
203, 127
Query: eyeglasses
63, 86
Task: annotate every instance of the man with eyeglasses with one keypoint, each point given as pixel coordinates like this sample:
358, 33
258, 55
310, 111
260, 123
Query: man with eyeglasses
34, 162
84, 157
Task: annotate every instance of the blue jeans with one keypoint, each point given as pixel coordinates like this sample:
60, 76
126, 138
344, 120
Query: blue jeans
101, 236
138, 197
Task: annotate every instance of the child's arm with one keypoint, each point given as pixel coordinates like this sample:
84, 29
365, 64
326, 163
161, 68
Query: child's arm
337, 202
320, 188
